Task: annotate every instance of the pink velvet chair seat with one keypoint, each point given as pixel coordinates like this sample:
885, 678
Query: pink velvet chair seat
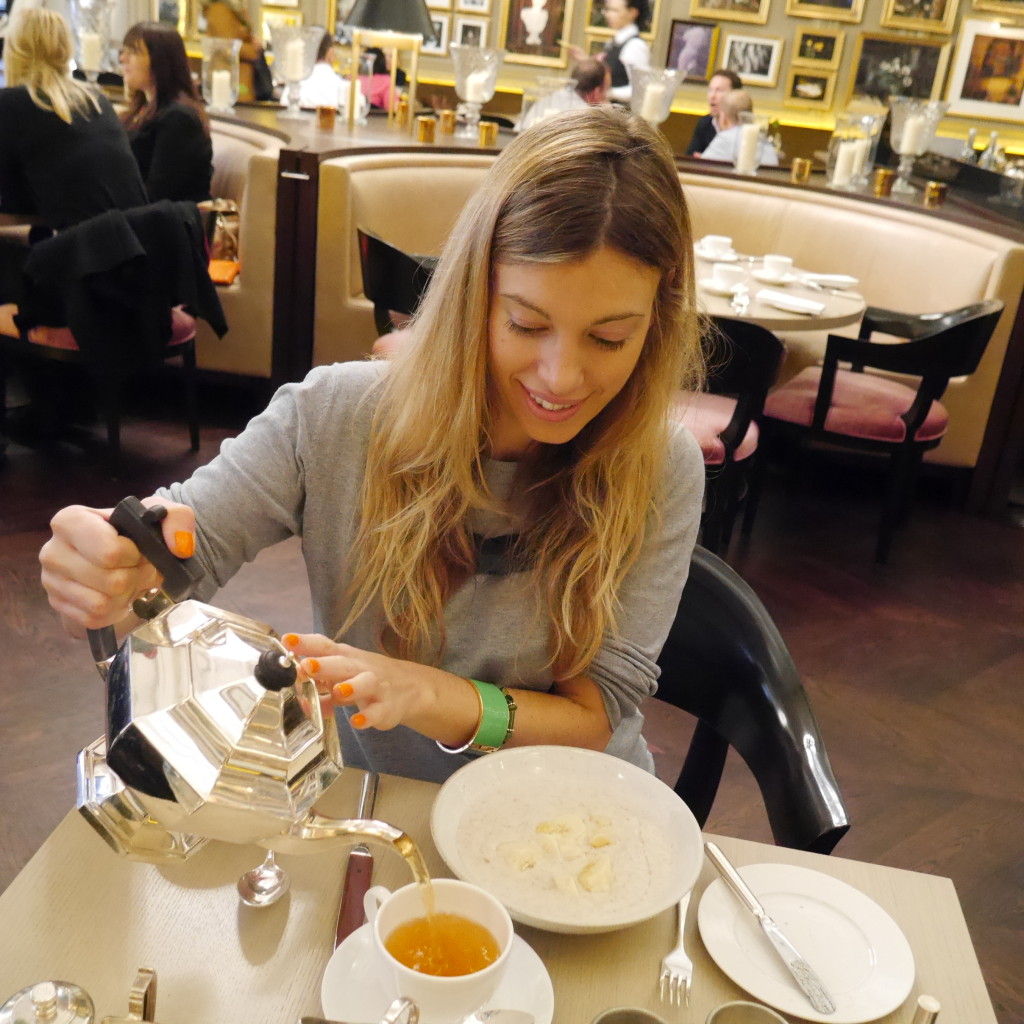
706, 416
863, 405
183, 328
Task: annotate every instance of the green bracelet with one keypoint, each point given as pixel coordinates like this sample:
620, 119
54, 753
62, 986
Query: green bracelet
497, 720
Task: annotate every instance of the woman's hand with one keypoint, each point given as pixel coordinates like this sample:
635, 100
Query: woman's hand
91, 574
577, 52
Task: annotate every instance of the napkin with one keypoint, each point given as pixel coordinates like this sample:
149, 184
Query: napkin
790, 303
831, 280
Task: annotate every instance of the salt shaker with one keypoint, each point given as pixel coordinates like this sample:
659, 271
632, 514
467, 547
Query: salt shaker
48, 1002
927, 1010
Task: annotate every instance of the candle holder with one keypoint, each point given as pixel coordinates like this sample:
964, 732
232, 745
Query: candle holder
752, 138
90, 20
653, 90
850, 151
912, 130
294, 56
220, 74
476, 75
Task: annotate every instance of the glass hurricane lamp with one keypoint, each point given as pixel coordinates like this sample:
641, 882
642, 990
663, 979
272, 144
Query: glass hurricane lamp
912, 130
476, 76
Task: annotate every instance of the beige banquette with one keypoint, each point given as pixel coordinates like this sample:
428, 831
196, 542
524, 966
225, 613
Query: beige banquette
905, 260
245, 169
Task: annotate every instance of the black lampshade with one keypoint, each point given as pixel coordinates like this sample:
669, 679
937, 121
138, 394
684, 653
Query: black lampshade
392, 15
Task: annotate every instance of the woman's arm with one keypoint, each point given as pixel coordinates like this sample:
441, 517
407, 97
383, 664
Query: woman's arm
181, 155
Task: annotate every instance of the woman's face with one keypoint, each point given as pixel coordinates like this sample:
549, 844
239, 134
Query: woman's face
563, 340
138, 76
618, 14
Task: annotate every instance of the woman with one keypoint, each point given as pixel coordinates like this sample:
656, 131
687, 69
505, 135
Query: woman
225, 21
505, 502
376, 86
166, 123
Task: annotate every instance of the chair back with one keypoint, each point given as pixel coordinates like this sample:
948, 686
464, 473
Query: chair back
394, 281
726, 663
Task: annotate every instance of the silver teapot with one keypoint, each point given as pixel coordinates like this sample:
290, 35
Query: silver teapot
212, 730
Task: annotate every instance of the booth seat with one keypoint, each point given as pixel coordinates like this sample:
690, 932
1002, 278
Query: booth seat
245, 170
410, 200
905, 259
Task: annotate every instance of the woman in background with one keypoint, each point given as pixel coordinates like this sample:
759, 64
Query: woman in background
166, 123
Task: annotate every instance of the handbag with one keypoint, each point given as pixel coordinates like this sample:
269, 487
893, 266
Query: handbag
221, 224
262, 79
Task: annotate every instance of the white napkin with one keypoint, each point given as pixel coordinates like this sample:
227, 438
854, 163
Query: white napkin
831, 280
790, 303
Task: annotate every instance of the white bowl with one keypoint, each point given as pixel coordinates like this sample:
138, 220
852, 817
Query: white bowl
484, 824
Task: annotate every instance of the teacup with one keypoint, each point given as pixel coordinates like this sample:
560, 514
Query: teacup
777, 266
715, 245
741, 1012
727, 275
440, 998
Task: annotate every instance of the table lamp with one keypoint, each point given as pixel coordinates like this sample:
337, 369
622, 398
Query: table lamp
392, 25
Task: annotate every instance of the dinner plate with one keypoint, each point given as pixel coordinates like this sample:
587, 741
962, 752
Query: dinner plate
790, 303
709, 284
765, 277
352, 988
857, 949
729, 256
831, 280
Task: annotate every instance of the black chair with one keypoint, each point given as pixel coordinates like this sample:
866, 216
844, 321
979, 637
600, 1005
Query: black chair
873, 413
726, 664
743, 361
394, 281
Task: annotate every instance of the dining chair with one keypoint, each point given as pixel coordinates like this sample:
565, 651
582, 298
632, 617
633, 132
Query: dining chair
743, 360
725, 663
393, 280
878, 414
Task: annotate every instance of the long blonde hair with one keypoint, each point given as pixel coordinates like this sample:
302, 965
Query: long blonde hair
37, 55
562, 190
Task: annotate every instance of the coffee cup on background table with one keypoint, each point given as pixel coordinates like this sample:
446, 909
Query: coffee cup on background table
468, 920
777, 266
727, 275
715, 245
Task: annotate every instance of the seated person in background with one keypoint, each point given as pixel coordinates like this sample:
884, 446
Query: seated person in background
720, 83
225, 21
725, 144
625, 49
376, 86
592, 79
166, 123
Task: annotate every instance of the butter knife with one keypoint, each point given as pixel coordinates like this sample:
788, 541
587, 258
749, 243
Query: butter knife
359, 870
809, 982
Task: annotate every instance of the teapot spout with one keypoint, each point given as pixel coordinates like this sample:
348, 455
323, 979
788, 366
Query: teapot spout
337, 831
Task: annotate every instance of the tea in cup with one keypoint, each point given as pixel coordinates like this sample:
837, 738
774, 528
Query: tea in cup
777, 266
715, 246
727, 275
451, 965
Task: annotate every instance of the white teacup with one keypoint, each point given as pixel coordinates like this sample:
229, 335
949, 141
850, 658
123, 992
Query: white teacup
727, 275
743, 1013
777, 266
715, 245
439, 998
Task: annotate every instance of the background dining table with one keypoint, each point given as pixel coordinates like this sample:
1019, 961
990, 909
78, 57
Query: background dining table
78, 912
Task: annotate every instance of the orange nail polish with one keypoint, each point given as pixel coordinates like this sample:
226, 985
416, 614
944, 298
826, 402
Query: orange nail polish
359, 721
312, 666
290, 639
184, 543
344, 690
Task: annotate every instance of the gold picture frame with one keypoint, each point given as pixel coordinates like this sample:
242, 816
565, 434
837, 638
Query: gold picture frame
894, 15
1000, 6
820, 48
923, 59
756, 59
831, 10
754, 12
978, 87
552, 51
595, 24
803, 83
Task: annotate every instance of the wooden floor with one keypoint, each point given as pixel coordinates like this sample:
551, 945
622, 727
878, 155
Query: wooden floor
914, 670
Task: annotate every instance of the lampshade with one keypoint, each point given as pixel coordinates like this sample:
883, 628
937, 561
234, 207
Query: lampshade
392, 15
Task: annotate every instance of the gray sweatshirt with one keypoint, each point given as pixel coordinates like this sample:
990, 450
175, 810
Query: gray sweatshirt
297, 470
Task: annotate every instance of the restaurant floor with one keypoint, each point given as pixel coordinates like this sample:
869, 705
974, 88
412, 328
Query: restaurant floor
913, 669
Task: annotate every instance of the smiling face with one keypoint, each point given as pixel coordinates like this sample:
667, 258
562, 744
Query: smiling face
563, 340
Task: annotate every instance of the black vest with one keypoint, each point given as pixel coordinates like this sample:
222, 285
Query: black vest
611, 58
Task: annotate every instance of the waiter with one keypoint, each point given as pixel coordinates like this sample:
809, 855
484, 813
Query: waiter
625, 49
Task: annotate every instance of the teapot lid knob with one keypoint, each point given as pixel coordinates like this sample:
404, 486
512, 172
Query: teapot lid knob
275, 671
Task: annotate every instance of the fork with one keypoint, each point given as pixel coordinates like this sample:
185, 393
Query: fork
676, 967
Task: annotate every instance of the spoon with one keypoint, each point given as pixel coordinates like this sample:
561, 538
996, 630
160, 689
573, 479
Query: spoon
264, 884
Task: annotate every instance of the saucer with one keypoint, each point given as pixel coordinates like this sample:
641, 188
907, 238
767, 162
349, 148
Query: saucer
727, 291
768, 278
352, 989
729, 256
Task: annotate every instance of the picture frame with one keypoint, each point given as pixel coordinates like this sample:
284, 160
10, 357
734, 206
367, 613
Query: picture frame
832, 10
939, 16
755, 12
470, 31
756, 59
987, 79
891, 65
473, 6
820, 48
595, 19
595, 44
809, 88
442, 26
543, 42
278, 16
1001, 6
439, 5
692, 48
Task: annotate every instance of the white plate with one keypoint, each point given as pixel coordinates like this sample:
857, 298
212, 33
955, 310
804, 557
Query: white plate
352, 988
790, 303
485, 818
857, 949
709, 284
767, 278
729, 256
832, 280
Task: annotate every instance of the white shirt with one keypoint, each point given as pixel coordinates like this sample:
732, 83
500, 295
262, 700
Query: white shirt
726, 143
325, 88
635, 53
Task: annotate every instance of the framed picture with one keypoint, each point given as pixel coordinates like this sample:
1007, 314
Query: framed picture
755, 59
269, 16
536, 35
595, 44
753, 11
473, 6
921, 15
596, 22
440, 5
439, 46
833, 10
810, 89
692, 47
819, 48
1001, 6
988, 73
898, 66
470, 31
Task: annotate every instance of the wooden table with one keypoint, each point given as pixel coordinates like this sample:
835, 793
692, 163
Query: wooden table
78, 912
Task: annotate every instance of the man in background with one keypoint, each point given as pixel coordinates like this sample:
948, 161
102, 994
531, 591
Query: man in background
721, 82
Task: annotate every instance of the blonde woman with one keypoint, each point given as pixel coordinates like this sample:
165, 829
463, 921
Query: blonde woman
500, 516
